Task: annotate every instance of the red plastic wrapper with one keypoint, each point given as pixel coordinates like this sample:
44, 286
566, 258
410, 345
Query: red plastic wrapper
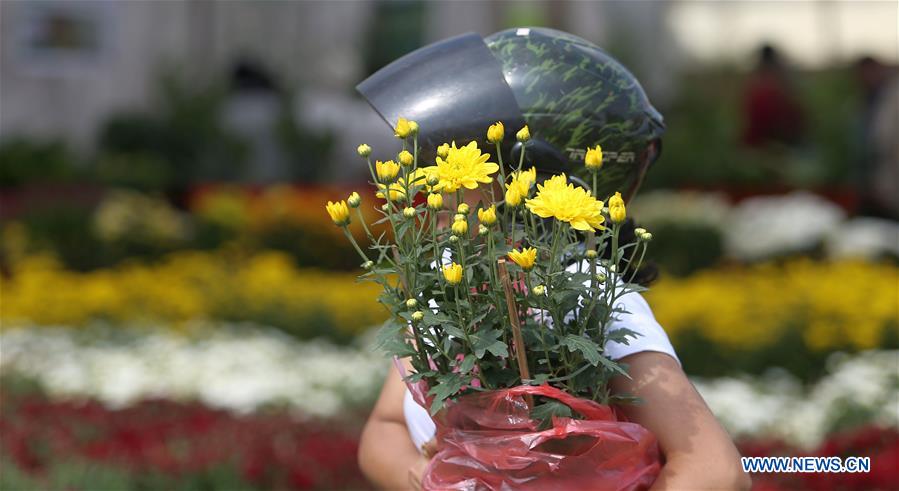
489, 442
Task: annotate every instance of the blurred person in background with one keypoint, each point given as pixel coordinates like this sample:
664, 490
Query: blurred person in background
877, 169
771, 110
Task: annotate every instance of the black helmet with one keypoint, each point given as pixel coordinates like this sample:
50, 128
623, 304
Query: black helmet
570, 93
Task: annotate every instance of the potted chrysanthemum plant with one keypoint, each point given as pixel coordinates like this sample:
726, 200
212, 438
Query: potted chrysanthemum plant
501, 291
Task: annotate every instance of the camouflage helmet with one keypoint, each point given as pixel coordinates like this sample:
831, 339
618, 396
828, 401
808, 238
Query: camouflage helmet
570, 93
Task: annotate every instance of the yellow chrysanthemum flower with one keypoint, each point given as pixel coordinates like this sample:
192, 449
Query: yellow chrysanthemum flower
488, 216
405, 158
496, 132
460, 227
397, 190
443, 150
617, 210
593, 158
525, 258
568, 203
403, 128
386, 171
520, 185
453, 273
339, 212
435, 201
523, 135
463, 167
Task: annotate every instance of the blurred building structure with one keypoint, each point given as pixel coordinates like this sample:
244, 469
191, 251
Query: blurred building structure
66, 66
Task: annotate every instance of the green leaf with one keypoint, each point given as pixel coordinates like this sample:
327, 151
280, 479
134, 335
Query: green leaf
454, 331
622, 335
467, 364
549, 409
448, 384
587, 347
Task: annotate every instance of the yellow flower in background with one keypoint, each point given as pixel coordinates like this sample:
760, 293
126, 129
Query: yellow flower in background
339, 212
568, 203
405, 158
443, 150
453, 274
463, 167
525, 258
496, 132
488, 216
460, 227
593, 158
403, 128
523, 134
616, 208
435, 201
386, 171
397, 190
363, 150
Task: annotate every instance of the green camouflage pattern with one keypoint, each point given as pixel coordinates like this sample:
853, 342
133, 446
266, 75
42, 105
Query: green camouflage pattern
573, 96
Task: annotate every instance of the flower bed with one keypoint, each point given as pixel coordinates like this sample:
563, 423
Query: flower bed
265, 288
242, 369
160, 444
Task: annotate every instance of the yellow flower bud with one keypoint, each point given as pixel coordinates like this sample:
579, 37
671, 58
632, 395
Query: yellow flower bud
591, 254
411, 303
368, 265
385, 208
616, 208
433, 179
460, 227
403, 129
354, 200
443, 150
453, 274
639, 231
600, 277
482, 230
453, 239
386, 171
459, 216
496, 132
363, 150
462, 208
405, 158
525, 258
593, 158
409, 212
539, 290
488, 216
339, 212
513, 196
523, 135
435, 201
646, 236
418, 316
413, 127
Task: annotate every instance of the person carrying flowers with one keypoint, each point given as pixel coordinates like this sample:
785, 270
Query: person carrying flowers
513, 273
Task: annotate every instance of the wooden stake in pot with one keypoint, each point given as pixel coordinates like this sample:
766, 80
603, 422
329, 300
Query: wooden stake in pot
517, 340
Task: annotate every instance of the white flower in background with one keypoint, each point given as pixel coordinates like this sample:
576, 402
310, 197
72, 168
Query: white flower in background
695, 208
863, 237
777, 406
240, 368
771, 225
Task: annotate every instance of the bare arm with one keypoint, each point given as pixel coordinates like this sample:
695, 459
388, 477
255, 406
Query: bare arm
699, 453
387, 456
